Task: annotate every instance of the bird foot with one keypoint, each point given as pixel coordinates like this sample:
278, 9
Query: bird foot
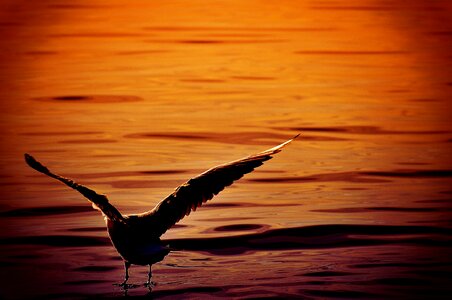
150, 284
126, 286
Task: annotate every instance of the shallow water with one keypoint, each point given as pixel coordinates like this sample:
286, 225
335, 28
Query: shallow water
132, 100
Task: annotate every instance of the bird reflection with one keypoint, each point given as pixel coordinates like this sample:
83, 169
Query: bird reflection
136, 237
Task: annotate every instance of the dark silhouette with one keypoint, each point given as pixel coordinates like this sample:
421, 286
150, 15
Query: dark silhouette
136, 237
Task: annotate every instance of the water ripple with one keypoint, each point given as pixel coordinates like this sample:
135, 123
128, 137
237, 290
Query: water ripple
318, 237
45, 211
237, 29
341, 294
363, 130
359, 176
91, 98
309, 237
240, 138
57, 241
383, 209
337, 52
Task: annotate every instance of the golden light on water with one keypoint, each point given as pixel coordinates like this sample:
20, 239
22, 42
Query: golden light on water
133, 99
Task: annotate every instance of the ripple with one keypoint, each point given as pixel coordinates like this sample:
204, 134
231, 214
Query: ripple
245, 204
383, 209
199, 41
88, 141
57, 133
91, 98
203, 80
318, 237
434, 201
95, 269
327, 274
315, 282
87, 229
45, 211
412, 163
232, 28
402, 281
374, 7
216, 41
354, 177
358, 176
309, 237
85, 282
141, 52
363, 130
396, 265
185, 291
425, 100
338, 52
164, 172
95, 35
410, 173
342, 294
240, 138
57, 241
253, 78
239, 227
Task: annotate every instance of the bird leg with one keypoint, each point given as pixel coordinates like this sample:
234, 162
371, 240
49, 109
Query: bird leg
126, 277
126, 286
149, 283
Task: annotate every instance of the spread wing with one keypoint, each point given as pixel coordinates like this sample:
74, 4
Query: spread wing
99, 201
199, 189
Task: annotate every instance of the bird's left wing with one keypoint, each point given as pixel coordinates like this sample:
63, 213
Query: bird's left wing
201, 188
99, 201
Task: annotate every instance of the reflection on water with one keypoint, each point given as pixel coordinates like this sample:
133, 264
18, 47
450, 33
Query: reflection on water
96, 98
134, 100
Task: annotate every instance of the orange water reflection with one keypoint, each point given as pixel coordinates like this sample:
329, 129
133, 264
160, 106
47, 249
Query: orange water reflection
133, 99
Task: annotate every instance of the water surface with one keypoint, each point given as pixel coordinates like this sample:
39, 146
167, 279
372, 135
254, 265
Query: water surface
133, 99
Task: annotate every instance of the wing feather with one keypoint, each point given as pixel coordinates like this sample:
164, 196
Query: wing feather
99, 201
200, 189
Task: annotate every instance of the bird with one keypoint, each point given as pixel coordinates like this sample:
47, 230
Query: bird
136, 237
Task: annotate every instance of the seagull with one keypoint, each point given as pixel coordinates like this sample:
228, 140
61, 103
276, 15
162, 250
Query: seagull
136, 237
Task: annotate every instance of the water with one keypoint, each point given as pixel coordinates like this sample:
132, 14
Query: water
133, 99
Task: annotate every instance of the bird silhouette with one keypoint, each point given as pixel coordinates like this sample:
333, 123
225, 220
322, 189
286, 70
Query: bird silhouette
136, 237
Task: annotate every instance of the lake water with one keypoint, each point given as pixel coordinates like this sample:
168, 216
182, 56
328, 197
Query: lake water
132, 99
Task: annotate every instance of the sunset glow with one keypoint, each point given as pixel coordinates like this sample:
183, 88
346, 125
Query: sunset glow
134, 99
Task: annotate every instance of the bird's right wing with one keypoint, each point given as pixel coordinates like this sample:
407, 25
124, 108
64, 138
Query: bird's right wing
99, 201
199, 189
